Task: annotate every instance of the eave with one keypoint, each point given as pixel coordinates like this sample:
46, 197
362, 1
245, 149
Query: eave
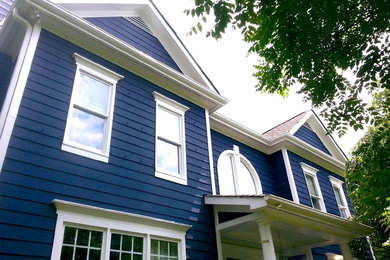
255, 140
61, 22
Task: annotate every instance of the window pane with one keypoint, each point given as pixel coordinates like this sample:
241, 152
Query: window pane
86, 129
125, 256
96, 239
69, 235
225, 173
115, 241
127, 243
137, 257
114, 255
81, 254
343, 212
173, 249
163, 248
94, 254
154, 246
311, 185
83, 237
92, 94
316, 203
66, 253
167, 156
138, 244
246, 184
168, 125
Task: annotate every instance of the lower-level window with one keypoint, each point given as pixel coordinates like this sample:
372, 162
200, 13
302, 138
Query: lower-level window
90, 233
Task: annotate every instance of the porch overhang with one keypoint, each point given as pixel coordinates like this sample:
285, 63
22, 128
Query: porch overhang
295, 227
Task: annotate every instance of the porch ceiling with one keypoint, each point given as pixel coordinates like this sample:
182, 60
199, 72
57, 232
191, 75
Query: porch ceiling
294, 227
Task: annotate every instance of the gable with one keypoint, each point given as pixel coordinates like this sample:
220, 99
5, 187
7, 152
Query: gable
306, 134
138, 35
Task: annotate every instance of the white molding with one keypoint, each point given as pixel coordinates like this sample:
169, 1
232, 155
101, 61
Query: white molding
175, 107
18, 82
290, 176
75, 214
111, 78
309, 170
255, 140
301, 122
335, 181
64, 23
210, 148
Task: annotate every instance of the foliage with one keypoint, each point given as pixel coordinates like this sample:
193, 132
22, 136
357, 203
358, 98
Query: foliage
312, 43
368, 177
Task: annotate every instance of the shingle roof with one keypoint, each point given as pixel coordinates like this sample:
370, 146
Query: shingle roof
284, 127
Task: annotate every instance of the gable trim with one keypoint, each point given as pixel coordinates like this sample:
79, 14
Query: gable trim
79, 31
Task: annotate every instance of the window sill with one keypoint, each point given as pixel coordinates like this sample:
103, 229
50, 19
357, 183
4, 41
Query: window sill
84, 152
171, 177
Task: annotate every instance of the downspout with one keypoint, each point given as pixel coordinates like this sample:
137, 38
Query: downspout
16, 86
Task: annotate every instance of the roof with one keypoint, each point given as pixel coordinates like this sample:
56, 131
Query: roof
284, 127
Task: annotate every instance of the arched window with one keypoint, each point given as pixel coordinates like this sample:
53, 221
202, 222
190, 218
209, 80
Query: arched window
236, 174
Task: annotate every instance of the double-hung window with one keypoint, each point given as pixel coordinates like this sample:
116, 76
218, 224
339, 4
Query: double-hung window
91, 233
340, 197
170, 140
89, 122
313, 187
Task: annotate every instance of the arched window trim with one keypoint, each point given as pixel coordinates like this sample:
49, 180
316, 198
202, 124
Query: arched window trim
236, 158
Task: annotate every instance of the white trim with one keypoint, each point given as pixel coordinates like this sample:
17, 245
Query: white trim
111, 78
309, 254
290, 176
311, 171
255, 140
179, 109
210, 148
17, 84
237, 157
106, 220
64, 23
301, 122
336, 183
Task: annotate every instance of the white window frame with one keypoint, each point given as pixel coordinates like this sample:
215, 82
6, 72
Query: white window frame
336, 183
112, 221
111, 78
236, 159
311, 171
179, 109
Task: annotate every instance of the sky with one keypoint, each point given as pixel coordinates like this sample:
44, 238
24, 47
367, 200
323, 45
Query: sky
227, 64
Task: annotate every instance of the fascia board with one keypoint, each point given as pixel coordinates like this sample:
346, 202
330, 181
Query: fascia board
251, 138
73, 28
152, 18
316, 215
309, 152
318, 127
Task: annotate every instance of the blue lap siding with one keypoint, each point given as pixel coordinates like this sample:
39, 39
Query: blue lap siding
311, 138
6, 68
135, 36
324, 182
259, 160
36, 170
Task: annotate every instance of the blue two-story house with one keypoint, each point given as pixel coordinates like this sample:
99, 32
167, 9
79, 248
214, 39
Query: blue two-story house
111, 147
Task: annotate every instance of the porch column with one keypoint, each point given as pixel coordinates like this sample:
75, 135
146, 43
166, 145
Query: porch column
266, 241
345, 250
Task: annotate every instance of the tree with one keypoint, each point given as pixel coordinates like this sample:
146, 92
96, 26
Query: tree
312, 43
368, 177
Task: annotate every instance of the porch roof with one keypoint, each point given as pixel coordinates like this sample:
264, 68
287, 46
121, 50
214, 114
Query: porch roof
294, 227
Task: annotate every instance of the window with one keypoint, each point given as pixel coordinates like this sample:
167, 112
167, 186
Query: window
313, 187
89, 122
340, 197
91, 233
236, 174
170, 140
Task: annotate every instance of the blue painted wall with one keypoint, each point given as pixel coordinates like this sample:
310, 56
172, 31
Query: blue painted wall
135, 36
311, 138
279, 170
36, 171
259, 160
325, 184
319, 252
6, 69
